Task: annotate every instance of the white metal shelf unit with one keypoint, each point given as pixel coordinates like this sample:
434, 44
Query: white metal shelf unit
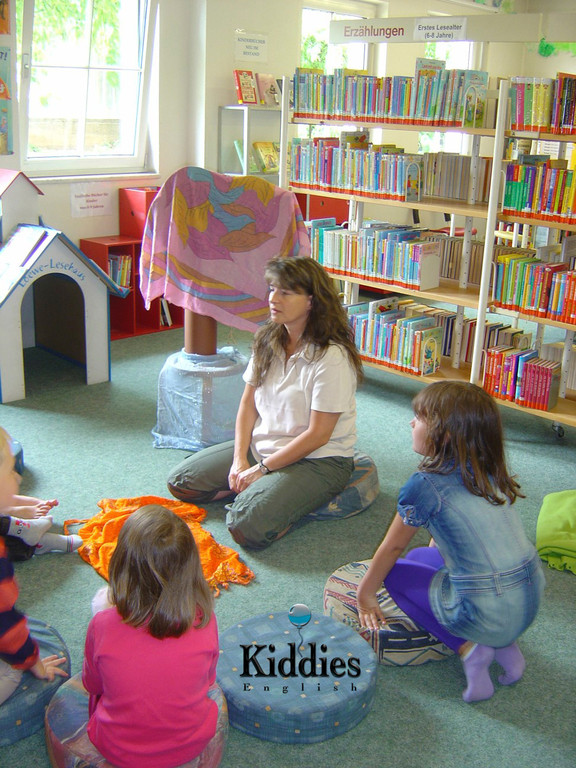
245, 123
481, 302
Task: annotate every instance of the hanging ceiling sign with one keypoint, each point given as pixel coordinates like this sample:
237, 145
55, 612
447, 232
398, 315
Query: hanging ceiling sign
409, 30
512, 28
433, 30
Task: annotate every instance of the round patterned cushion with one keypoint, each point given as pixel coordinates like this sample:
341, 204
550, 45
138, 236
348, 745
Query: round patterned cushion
68, 744
22, 714
362, 489
400, 642
295, 683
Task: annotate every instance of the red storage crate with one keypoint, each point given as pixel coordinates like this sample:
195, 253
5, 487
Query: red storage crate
133, 204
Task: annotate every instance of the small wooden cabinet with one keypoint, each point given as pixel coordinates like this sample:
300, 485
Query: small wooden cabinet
129, 316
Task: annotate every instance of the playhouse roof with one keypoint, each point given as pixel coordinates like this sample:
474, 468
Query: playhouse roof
27, 245
7, 177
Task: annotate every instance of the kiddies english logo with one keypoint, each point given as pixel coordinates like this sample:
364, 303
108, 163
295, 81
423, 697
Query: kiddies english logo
305, 660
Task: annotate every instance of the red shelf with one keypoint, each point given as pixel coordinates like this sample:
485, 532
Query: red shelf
129, 316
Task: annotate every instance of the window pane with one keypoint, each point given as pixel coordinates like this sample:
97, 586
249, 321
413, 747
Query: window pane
55, 119
60, 38
117, 37
82, 91
112, 111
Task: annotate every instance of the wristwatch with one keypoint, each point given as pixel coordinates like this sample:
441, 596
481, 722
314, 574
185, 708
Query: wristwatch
263, 468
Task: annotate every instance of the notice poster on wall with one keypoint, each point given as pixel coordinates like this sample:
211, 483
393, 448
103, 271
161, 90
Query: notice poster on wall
6, 147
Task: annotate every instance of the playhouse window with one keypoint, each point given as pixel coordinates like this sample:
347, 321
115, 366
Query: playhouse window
84, 78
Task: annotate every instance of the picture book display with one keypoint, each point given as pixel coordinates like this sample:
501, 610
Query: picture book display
267, 155
268, 92
245, 86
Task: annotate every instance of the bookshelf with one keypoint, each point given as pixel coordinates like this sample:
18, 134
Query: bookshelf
461, 295
239, 126
129, 316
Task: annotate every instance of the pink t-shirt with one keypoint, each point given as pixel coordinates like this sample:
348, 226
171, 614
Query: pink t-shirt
148, 697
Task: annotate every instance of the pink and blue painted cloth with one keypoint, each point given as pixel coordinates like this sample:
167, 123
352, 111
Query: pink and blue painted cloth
207, 241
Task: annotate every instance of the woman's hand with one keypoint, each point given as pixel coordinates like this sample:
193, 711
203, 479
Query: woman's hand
239, 466
48, 668
245, 478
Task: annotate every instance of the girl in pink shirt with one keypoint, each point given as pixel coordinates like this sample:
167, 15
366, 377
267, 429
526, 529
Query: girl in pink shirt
150, 659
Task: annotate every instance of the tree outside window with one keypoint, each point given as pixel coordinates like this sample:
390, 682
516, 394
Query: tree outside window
83, 74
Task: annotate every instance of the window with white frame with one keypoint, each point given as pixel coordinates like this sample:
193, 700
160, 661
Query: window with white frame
85, 71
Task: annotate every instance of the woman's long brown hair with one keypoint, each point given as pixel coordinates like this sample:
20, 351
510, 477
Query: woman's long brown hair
327, 321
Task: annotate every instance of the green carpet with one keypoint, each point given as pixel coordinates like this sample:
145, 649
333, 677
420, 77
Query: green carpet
82, 443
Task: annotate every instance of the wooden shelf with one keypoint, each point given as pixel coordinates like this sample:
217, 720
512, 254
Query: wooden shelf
448, 292
391, 126
563, 413
495, 309
435, 204
535, 222
445, 373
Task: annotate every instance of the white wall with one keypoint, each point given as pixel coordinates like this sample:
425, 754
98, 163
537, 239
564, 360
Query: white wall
196, 59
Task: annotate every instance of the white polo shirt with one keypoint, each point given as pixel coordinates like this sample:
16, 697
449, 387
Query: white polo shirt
294, 388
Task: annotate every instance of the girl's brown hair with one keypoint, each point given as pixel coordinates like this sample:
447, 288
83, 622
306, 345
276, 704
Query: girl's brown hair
464, 432
156, 579
327, 321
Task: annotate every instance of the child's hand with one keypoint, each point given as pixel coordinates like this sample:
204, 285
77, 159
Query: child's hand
369, 613
47, 668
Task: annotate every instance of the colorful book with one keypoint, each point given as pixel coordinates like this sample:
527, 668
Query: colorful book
472, 106
430, 358
267, 154
267, 90
245, 86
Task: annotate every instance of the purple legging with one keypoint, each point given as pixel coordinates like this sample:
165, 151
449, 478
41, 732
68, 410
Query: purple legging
408, 584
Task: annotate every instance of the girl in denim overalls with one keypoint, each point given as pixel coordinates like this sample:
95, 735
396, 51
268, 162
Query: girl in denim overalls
477, 586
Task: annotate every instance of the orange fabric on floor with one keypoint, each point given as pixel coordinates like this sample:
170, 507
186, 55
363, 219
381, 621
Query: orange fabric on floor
221, 565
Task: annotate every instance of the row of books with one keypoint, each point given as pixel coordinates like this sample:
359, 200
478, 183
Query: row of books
385, 171
120, 268
388, 332
448, 174
363, 254
540, 187
377, 172
543, 103
534, 287
263, 157
257, 88
432, 96
378, 333
390, 255
554, 350
522, 377
451, 255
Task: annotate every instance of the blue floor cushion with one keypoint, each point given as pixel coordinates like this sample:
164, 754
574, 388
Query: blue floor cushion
23, 713
295, 683
362, 489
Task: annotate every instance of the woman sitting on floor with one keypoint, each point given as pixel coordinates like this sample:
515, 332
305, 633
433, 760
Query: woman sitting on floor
296, 424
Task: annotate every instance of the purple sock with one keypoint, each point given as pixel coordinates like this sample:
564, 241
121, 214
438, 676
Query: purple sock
476, 668
512, 662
